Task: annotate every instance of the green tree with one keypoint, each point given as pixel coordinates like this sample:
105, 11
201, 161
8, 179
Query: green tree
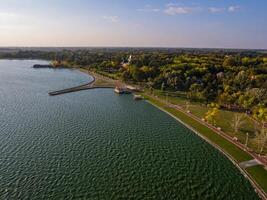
237, 122
260, 113
162, 86
212, 113
229, 61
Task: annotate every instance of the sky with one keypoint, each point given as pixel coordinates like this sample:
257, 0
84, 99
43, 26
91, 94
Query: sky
134, 23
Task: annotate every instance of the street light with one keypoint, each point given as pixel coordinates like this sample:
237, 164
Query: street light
166, 97
246, 141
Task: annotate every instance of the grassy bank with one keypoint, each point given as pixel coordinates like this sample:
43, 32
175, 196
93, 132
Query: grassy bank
100, 80
238, 154
258, 173
199, 109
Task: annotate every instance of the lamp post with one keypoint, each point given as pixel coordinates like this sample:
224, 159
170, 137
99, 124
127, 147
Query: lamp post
246, 141
167, 97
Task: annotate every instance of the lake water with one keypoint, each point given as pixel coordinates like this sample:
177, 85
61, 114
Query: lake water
97, 145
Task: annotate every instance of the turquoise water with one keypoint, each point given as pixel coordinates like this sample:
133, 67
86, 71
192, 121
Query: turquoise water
97, 145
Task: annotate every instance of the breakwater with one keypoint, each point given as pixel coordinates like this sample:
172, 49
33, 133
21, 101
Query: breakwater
86, 86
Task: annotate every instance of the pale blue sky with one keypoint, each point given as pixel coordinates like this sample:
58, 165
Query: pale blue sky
152, 23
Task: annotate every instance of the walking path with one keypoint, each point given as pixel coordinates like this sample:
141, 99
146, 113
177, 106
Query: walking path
73, 89
249, 163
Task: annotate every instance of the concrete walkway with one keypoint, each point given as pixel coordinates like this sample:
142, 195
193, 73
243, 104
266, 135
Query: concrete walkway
73, 89
87, 86
250, 163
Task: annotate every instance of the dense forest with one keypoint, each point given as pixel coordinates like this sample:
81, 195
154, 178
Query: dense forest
231, 78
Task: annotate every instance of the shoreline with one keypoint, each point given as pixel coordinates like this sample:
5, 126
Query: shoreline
100, 80
259, 190
254, 184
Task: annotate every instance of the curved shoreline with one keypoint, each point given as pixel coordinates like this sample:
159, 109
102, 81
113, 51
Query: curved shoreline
257, 188
261, 193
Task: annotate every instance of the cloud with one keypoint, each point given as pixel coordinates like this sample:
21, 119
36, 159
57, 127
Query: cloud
7, 14
7, 17
17, 25
112, 18
216, 10
233, 8
176, 10
9, 20
148, 10
172, 4
179, 9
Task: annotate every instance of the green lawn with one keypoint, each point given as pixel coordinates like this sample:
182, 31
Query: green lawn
200, 109
258, 173
109, 75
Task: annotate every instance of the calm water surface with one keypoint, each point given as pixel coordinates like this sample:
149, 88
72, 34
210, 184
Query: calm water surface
97, 145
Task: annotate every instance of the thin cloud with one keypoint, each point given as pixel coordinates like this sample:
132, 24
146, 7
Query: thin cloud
7, 14
112, 18
216, 10
16, 22
233, 8
148, 10
176, 10
179, 9
172, 4
11, 20
8, 17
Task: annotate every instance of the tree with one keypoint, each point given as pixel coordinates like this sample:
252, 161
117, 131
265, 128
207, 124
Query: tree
162, 86
212, 113
260, 113
229, 61
196, 92
238, 121
136, 73
150, 85
187, 105
258, 139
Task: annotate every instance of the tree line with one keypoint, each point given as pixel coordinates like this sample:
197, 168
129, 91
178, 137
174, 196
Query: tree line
234, 79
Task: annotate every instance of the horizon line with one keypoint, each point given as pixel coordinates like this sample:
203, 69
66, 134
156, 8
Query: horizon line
133, 47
